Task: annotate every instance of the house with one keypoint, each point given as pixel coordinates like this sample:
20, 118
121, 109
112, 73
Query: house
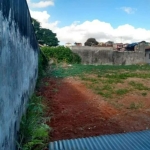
117, 46
68, 44
109, 43
141, 46
147, 55
100, 43
125, 45
78, 44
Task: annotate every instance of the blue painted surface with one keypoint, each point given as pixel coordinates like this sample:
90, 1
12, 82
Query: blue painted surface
126, 141
18, 68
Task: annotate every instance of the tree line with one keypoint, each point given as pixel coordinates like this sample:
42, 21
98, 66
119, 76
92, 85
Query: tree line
44, 36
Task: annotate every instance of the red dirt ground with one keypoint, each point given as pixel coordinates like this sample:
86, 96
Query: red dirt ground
77, 112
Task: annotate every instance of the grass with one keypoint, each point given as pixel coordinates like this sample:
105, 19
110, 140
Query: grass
126, 75
122, 91
33, 129
134, 105
34, 132
144, 93
100, 71
105, 80
111, 81
138, 86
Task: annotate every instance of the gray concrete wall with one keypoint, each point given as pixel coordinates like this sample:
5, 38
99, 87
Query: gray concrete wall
140, 47
106, 56
18, 67
128, 58
147, 56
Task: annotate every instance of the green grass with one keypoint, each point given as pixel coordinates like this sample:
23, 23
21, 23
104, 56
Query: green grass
107, 71
34, 132
105, 94
133, 105
144, 93
88, 79
121, 91
127, 75
111, 81
138, 86
105, 77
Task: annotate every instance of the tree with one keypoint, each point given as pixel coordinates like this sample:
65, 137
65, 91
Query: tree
91, 42
44, 36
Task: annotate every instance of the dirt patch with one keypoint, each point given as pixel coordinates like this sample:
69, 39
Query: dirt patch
77, 112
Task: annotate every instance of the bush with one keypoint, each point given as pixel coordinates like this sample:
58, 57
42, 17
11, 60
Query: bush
42, 64
61, 54
34, 132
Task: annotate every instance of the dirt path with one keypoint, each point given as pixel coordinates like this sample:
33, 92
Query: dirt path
77, 112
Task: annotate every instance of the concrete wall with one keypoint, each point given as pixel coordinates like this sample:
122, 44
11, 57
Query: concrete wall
147, 56
106, 56
18, 67
140, 47
128, 58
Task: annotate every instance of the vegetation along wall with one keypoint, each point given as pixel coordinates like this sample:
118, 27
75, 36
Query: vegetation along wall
18, 67
106, 56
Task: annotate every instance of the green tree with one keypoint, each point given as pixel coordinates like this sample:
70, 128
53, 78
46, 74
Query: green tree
44, 36
91, 42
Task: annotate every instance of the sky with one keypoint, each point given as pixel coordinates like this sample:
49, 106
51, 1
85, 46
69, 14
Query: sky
73, 21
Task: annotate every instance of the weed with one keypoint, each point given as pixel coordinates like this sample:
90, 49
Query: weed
144, 93
133, 105
46, 84
88, 79
138, 86
106, 94
121, 91
105, 91
107, 87
111, 81
55, 90
33, 130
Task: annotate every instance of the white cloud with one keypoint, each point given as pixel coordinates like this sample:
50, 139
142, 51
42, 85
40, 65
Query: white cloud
102, 31
41, 4
128, 10
43, 18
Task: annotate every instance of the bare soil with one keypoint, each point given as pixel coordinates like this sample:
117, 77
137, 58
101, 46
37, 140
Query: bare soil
77, 111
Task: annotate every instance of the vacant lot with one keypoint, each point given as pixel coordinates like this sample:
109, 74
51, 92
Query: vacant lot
94, 100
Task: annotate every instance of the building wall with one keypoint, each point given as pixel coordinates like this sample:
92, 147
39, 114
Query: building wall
106, 56
18, 67
147, 56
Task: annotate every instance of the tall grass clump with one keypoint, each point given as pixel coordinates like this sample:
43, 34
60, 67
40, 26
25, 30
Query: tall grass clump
61, 54
42, 65
34, 132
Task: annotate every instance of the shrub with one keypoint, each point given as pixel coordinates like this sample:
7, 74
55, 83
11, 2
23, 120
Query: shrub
33, 129
34, 132
61, 54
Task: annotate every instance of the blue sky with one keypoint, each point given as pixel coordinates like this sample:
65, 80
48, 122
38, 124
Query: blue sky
77, 20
